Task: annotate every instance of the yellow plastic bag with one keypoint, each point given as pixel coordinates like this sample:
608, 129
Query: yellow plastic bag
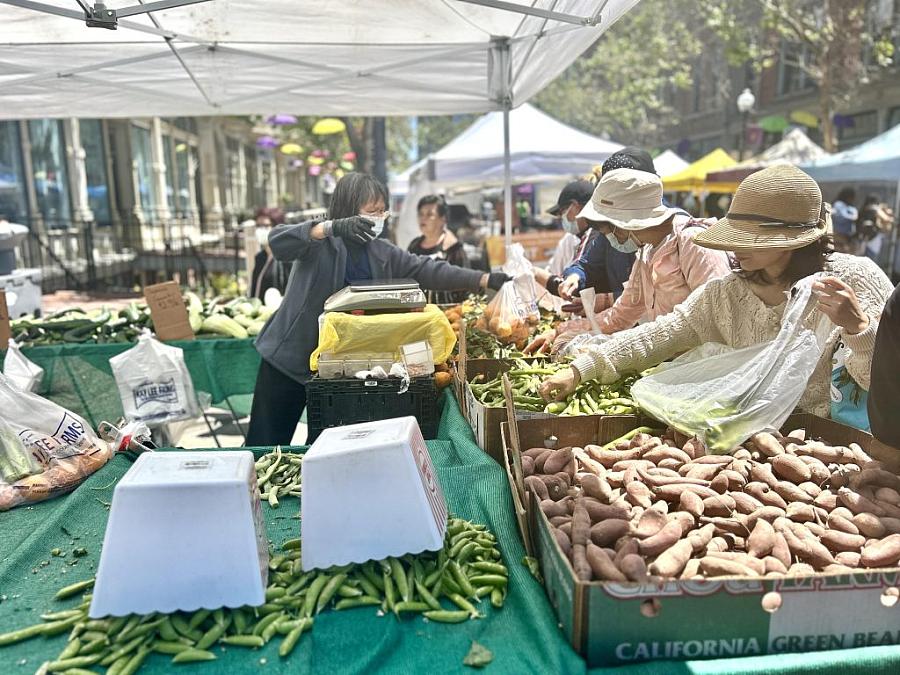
349, 333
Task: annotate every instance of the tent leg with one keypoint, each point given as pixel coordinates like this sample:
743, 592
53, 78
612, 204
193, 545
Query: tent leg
507, 178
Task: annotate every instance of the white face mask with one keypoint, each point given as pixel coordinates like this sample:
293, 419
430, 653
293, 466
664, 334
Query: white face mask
628, 247
378, 222
570, 226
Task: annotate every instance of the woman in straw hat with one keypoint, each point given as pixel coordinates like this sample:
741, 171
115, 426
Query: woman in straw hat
627, 206
776, 227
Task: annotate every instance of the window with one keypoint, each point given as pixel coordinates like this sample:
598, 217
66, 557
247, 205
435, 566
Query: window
168, 161
95, 168
864, 126
13, 206
143, 168
791, 77
48, 163
182, 179
893, 117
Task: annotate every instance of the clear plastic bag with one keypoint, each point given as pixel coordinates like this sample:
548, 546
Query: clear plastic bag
20, 370
154, 384
61, 449
513, 310
724, 395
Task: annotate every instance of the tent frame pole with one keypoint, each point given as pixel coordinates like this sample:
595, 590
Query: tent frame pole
507, 177
592, 20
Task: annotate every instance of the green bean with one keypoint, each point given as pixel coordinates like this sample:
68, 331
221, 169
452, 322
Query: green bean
93, 646
135, 662
467, 552
74, 662
59, 616
291, 545
276, 561
362, 601
490, 568
300, 583
312, 595
399, 577
497, 598
180, 624
275, 592
447, 616
129, 647
367, 586
462, 603
168, 647
265, 622
489, 580
427, 597
198, 618
244, 640
167, 630
80, 671
240, 620
461, 580
209, 638
273, 496
192, 655
57, 627
73, 589
408, 606
389, 597
72, 648
287, 645
348, 591
482, 591
330, 589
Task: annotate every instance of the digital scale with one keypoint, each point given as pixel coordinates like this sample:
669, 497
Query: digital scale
378, 297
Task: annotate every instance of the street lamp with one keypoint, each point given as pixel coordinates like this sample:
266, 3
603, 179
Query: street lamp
745, 102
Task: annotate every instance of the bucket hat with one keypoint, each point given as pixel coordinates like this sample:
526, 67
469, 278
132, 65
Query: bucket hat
630, 199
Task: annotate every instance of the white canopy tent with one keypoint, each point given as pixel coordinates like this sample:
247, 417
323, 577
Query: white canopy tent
541, 148
668, 163
239, 57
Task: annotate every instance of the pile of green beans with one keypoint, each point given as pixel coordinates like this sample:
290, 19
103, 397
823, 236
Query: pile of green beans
278, 474
590, 398
466, 571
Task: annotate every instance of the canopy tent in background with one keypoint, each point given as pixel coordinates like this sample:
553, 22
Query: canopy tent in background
668, 163
795, 148
540, 149
308, 57
693, 177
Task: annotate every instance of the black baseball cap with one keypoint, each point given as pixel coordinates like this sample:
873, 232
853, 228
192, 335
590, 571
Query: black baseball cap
577, 191
630, 157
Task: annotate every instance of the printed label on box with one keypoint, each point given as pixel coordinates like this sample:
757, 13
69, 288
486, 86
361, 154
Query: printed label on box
429, 481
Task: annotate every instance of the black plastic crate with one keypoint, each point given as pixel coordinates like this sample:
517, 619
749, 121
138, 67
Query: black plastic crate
337, 402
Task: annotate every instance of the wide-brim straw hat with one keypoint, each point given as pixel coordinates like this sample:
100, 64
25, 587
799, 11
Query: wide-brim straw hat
629, 199
779, 207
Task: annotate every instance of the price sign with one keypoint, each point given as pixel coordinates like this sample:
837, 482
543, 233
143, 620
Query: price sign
170, 317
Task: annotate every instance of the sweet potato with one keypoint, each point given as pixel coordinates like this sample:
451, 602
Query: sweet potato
765, 494
841, 524
815, 528
857, 503
719, 460
720, 567
602, 565
717, 543
691, 503
527, 465
655, 480
639, 494
719, 505
672, 464
806, 549
891, 525
581, 523
541, 459
819, 473
563, 540
626, 464
790, 468
882, 553
770, 513
609, 457
800, 513
826, 499
671, 562
685, 519
860, 455
606, 532
557, 460
559, 521
761, 539
596, 487
633, 567
567, 527
599, 512
762, 473
650, 522
720, 483
672, 493
767, 444
757, 565
774, 566
624, 546
705, 472
581, 565
691, 570
552, 508
811, 489
534, 453
702, 537
662, 540
848, 558
876, 478
735, 525
889, 495
537, 486
781, 550
836, 540
693, 448
662, 452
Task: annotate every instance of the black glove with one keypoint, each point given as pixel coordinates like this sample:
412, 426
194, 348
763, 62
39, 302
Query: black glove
497, 279
355, 229
553, 285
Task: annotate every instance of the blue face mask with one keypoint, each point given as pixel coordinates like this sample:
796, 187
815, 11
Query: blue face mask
570, 226
628, 247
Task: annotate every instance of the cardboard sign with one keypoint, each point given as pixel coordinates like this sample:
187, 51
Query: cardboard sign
5, 332
169, 314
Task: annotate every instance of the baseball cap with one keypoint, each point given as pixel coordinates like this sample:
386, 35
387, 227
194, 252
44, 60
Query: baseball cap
577, 191
630, 157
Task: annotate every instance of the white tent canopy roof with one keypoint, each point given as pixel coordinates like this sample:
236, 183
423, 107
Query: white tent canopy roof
540, 147
238, 57
668, 163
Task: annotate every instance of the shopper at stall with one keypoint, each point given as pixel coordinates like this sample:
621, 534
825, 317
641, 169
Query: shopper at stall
884, 391
326, 257
571, 200
844, 216
267, 272
629, 211
438, 243
777, 228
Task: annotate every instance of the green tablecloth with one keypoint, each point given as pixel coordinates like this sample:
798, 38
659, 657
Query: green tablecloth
78, 376
523, 635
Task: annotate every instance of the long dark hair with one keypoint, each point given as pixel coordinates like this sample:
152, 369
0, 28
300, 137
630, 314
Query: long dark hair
804, 261
354, 191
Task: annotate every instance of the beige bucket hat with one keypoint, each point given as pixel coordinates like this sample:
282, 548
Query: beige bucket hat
779, 207
629, 199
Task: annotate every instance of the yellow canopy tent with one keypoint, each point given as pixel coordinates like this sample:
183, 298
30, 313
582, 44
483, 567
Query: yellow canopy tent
693, 177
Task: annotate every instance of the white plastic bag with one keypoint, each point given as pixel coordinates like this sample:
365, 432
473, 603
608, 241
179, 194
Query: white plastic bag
23, 373
62, 448
154, 384
522, 271
724, 395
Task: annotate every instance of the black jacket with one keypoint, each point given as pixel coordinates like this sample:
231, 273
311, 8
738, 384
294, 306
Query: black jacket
884, 388
292, 334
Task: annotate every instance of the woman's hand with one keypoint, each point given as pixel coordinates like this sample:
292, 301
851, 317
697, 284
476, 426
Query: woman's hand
355, 229
839, 303
568, 287
541, 344
557, 387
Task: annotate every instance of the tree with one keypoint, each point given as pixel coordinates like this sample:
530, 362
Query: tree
834, 34
620, 86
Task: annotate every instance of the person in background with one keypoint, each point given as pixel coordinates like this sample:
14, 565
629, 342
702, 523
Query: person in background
884, 391
327, 256
777, 228
572, 246
843, 218
438, 243
873, 227
629, 207
267, 272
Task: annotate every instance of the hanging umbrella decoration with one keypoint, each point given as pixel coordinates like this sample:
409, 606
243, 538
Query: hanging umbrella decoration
291, 149
266, 142
281, 119
773, 124
328, 126
349, 156
314, 170
312, 160
805, 118
296, 163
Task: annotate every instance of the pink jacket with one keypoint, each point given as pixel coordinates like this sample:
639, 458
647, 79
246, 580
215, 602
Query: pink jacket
664, 276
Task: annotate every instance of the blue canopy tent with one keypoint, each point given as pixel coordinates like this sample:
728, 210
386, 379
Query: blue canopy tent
873, 163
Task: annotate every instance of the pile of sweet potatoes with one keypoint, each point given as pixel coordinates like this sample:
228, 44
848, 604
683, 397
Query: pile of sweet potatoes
648, 506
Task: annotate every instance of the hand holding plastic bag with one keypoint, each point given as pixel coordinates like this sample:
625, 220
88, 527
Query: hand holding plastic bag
724, 395
512, 311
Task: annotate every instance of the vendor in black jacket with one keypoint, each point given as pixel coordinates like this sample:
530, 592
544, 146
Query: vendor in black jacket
326, 257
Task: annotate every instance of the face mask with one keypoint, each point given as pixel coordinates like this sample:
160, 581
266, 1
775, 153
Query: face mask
570, 226
628, 247
378, 223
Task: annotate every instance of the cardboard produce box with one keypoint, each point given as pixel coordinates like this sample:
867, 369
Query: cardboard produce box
619, 623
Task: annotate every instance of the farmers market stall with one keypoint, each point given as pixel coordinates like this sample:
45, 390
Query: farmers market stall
523, 635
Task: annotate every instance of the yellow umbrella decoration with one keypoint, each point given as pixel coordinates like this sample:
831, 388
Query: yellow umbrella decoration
315, 161
291, 149
805, 118
328, 125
